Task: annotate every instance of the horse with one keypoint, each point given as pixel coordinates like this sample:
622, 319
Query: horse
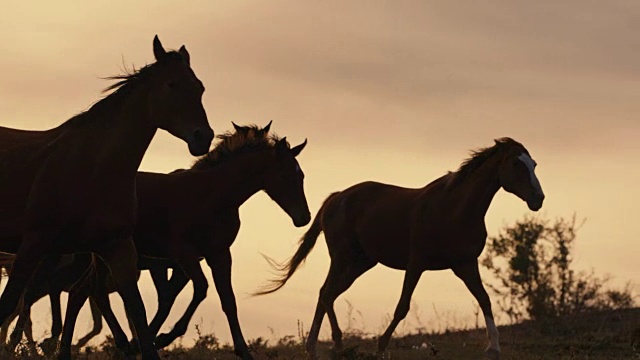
72, 188
437, 227
193, 214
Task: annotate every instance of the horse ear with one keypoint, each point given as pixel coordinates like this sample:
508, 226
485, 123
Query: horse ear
236, 126
282, 146
158, 50
185, 54
241, 129
266, 128
298, 149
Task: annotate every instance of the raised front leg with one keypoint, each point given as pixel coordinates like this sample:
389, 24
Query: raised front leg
220, 263
470, 275
168, 291
411, 278
192, 269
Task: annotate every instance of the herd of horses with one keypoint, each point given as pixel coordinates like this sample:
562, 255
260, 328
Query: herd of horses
77, 216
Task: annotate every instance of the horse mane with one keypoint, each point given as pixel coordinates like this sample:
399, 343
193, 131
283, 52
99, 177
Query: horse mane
478, 157
231, 144
125, 84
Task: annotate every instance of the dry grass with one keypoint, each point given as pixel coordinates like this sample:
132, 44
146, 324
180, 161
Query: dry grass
594, 336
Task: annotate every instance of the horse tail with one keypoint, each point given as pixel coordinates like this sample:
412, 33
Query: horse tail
306, 244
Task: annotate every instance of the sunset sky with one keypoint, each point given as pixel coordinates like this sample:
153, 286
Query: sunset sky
393, 91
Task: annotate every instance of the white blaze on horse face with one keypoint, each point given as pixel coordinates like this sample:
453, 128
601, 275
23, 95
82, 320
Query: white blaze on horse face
492, 332
528, 161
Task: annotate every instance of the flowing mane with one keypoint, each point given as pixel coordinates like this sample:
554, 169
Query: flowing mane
231, 144
479, 157
124, 85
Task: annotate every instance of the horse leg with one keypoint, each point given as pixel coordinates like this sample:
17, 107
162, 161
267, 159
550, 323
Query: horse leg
411, 278
220, 264
5, 345
168, 291
78, 294
4, 330
29, 255
342, 283
28, 333
16, 335
470, 275
50, 344
101, 299
96, 315
35, 290
312, 338
200, 285
121, 258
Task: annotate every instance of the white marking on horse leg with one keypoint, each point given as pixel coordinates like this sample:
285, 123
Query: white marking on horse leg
528, 161
492, 333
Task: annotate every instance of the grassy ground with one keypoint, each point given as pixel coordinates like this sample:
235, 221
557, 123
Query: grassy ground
596, 336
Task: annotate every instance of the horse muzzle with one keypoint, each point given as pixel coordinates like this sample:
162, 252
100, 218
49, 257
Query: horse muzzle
302, 219
200, 141
535, 202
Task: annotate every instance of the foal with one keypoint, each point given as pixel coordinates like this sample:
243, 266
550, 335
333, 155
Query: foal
193, 214
440, 226
72, 189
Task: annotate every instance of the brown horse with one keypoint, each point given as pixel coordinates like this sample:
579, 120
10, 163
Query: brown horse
72, 189
193, 214
440, 226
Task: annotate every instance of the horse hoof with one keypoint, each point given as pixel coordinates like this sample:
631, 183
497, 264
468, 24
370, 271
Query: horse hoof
49, 346
246, 356
312, 354
492, 354
130, 348
62, 356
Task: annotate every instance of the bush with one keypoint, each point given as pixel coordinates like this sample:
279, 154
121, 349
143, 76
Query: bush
532, 262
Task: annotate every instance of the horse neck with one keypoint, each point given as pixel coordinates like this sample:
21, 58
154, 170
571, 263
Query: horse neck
124, 133
237, 180
475, 193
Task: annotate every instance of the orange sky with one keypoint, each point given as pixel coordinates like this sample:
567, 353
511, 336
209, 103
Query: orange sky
389, 91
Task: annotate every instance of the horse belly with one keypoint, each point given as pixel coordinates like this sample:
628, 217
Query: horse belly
387, 246
444, 252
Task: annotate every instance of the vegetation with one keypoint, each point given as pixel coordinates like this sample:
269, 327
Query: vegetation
532, 263
600, 335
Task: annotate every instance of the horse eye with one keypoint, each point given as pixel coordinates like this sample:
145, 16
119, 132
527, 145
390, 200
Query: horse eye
172, 85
